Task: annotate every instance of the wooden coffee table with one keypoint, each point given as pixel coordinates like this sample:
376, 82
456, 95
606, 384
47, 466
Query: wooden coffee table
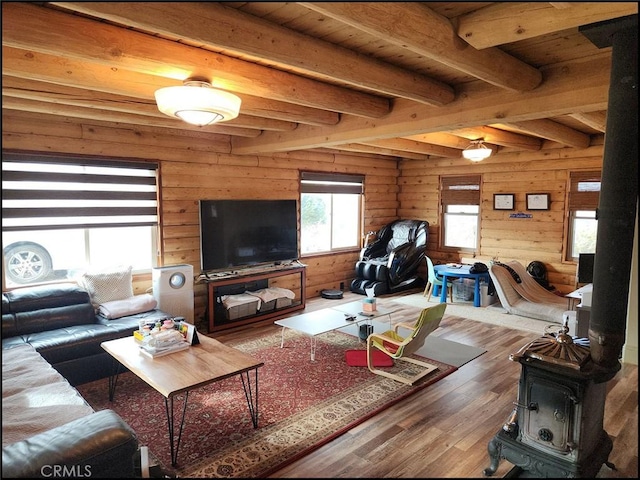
328, 319
180, 372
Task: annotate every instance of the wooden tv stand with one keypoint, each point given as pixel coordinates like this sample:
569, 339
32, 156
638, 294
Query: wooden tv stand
244, 276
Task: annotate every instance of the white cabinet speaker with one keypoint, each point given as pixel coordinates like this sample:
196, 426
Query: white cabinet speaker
173, 290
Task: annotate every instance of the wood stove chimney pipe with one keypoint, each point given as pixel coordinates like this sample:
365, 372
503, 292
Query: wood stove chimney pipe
618, 193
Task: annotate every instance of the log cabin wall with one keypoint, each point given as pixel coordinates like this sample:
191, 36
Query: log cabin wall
193, 167
540, 237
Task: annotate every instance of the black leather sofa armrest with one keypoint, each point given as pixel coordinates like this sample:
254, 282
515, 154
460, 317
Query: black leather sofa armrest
100, 445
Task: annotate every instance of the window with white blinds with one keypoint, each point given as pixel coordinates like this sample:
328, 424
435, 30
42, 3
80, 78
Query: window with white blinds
56, 192
62, 216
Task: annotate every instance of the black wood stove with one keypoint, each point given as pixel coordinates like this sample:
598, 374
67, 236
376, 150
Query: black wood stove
556, 428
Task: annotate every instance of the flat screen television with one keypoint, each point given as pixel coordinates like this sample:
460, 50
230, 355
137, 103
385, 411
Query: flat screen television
240, 233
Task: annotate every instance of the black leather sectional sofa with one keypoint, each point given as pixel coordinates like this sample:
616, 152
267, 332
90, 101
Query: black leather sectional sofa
56, 326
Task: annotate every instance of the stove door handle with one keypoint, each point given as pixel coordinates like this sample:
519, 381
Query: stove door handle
533, 406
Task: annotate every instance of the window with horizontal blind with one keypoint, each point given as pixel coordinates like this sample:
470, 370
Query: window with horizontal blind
460, 211
582, 205
64, 215
330, 212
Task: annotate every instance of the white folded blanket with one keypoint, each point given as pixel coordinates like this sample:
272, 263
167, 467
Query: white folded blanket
129, 306
230, 301
272, 293
35, 397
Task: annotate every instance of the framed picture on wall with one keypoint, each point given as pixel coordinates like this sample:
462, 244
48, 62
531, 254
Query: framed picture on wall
503, 201
537, 201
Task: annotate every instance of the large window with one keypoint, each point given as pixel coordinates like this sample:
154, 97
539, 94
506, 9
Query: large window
460, 202
330, 212
584, 194
62, 216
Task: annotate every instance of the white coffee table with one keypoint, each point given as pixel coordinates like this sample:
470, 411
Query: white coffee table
328, 319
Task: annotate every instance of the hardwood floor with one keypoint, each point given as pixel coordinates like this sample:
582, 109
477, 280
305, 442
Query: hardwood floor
443, 431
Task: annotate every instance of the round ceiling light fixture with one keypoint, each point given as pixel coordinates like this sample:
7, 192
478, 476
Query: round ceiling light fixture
198, 103
477, 151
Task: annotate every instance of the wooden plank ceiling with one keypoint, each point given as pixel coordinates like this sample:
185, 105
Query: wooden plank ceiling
414, 80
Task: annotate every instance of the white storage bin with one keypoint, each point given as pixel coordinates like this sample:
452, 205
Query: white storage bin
267, 306
268, 302
283, 302
239, 306
485, 298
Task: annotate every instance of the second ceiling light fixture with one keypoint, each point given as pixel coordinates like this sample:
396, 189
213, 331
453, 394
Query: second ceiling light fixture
476, 151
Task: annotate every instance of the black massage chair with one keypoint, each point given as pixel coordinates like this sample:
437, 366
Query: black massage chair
390, 263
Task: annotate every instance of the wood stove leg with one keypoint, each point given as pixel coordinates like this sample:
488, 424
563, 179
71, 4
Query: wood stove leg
495, 453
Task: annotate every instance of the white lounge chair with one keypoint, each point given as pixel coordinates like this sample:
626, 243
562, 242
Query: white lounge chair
521, 294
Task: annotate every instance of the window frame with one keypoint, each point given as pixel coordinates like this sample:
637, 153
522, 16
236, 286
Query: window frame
579, 200
57, 192
459, 190
333, 183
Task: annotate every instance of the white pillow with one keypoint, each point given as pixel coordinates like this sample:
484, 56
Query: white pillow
108, 285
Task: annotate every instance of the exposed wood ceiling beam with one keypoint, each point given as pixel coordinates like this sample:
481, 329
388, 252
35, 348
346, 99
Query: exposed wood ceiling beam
102, 78
583, 85
415, 147
26, 120
369, 149
62, 95
23, 105
47, 31
52, 92
414, 26
499, 137
440, 138
553, 131
596, 120
507, 22
249, 35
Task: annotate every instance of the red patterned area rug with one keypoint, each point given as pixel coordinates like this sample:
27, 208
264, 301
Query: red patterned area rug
302, 406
